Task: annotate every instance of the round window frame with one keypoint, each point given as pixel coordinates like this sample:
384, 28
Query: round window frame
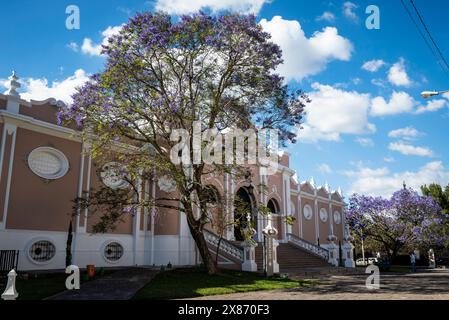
326, 215
339, 217
64, 161
103, 253
121, 186
31, 243
309, 208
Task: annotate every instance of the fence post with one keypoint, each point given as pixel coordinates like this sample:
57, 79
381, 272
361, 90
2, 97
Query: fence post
10, 291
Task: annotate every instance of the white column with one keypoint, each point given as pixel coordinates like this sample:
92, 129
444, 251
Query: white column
9, 129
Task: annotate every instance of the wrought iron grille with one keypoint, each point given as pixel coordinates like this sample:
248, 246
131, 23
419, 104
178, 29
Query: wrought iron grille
42, 251
113, 251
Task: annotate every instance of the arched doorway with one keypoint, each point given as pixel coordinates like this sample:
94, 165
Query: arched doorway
244, 203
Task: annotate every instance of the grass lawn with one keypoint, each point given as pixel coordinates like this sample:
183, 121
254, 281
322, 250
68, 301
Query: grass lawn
189, 283
37, 288
42, 285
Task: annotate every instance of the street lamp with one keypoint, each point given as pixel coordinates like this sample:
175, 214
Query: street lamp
428, 94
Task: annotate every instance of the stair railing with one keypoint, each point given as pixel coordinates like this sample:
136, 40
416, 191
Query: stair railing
225, 246
309, 247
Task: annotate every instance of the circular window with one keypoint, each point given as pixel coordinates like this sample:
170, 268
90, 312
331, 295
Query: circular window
308, 213
166, 184
337, 217
48, 163
323, 215
113, 251
42, 251
112, 176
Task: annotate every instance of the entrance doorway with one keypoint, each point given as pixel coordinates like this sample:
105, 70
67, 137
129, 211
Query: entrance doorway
244, 203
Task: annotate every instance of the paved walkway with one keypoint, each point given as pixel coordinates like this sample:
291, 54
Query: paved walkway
430, 285
120, 285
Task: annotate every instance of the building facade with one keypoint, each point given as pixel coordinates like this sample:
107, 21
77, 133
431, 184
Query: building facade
43, 168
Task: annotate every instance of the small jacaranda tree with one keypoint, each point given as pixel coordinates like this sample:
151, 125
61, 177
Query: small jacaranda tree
407, 220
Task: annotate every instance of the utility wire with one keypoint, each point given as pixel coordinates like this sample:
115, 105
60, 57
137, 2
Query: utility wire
435, 55
430, 35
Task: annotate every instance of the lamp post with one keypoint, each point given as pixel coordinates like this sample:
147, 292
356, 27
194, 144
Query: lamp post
428, 94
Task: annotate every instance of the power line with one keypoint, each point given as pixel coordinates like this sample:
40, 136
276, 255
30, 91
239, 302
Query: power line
430, 35
432, 50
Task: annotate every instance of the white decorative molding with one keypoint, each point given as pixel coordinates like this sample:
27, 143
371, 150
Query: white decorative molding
225, 246
310, 247
48, 163
337, 217
323, 215
112, 177
308, 212
166, 184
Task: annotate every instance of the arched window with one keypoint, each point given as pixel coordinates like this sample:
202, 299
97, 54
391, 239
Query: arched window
211, 195
273, 206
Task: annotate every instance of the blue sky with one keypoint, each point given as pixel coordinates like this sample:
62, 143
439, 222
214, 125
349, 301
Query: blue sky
367, 128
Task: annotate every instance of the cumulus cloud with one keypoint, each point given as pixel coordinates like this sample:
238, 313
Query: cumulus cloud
348, 11
40, 89
381, 182
405, 133
186, 7
408, 149
389, 159
326, 16
397, 75
400, 102
304, 56
333, 112
89, 47
324, 168
373, 65
365, 142
432, 106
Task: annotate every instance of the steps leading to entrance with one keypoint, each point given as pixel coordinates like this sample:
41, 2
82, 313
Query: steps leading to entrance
291, 257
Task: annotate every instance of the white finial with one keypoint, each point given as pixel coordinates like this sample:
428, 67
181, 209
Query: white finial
13, 85
312, 182
326, 186
339, 191
10, 291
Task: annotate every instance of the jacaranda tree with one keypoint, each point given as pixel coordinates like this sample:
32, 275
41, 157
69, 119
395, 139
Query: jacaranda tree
163, 74
407, 220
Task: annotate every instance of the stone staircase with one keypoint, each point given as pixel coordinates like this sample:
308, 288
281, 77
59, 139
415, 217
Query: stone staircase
292, 257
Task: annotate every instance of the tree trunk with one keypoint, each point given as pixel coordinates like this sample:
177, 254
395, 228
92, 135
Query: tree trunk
198, 236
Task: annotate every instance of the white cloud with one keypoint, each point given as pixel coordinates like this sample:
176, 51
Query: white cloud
90, 48
432, 105
348, 11
389, 159
410, 150
326, 16
304, 56
400, 102
333, 112
379, 83
405, 133
73, 46
373, 65
365, 142
308, 134
324, 168
397, 75
39, 89
192, 6
381, 182
446, 95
